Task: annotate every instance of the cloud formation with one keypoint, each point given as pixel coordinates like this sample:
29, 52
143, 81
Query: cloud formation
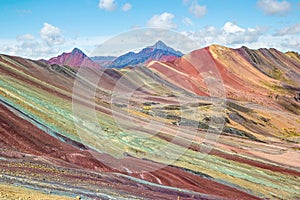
27, 45
164, 20
231, 28
291, 30
274, 7
30, 48
229, 34
25, 37
51, 34
197, 10
108, 5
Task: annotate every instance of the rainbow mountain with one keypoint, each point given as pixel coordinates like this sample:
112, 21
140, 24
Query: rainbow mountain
216, 123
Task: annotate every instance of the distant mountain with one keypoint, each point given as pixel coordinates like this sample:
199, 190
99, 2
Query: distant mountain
158, 52
76, 58
104, 61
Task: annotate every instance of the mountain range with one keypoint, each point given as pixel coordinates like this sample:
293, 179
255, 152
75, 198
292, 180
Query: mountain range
266, 69
215, 123
158, 52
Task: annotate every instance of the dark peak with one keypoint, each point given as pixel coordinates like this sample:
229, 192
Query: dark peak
76, 50
292, 52
275, 50
244, 47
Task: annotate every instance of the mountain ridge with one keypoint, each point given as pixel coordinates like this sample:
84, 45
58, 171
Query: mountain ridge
75, 58
158, 52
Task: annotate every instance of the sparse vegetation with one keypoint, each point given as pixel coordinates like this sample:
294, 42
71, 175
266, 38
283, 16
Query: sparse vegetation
290, 132
277, 74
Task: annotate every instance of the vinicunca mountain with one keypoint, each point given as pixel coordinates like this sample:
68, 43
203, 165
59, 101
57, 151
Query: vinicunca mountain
114, 148
252, 75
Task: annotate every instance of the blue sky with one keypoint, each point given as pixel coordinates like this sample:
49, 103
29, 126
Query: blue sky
41, 29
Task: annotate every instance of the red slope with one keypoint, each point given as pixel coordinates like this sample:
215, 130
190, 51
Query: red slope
238, 77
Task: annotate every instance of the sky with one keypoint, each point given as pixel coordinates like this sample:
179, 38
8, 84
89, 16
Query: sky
45, 28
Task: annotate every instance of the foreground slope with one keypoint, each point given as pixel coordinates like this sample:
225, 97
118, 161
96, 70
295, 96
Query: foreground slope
256, 156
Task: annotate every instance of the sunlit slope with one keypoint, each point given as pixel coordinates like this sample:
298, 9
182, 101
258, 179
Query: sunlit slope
293, 55
264, 76
274, 64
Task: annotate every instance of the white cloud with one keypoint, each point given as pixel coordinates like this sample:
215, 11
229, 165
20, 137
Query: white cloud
230, 34
52, 35
254, 38
187, 21
197, 10
291, 43
231, 28
39, 49
291, 30
126, 7
108, 5
34, 49
25, 37
281, 43
49, 43
164, 20
274, 7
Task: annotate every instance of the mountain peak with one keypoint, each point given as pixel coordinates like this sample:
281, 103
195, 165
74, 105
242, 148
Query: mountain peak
76, 50
160, 45
158, 52
76, 58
